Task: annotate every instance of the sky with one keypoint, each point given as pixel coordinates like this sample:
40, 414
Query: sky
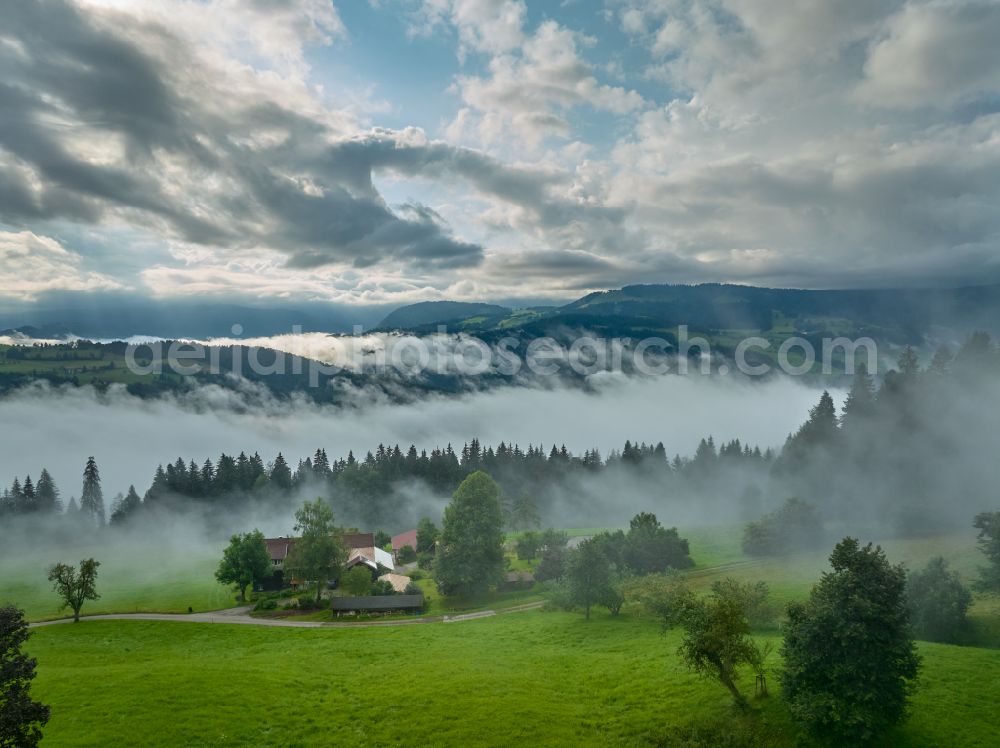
379, 152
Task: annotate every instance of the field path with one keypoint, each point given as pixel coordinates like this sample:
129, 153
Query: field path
240, 616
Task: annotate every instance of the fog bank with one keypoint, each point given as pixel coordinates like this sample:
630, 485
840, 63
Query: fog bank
129, 436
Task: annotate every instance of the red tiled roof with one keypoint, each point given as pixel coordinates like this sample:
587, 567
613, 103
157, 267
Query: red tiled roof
405, 538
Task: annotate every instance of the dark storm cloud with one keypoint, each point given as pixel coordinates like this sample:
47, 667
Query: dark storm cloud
74, 75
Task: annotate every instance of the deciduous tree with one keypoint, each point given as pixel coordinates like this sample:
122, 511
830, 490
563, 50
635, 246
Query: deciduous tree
245, 562
988, 524
850, 659
470, 556
21, 718
938, 601
318, 554
588, 574
75, 587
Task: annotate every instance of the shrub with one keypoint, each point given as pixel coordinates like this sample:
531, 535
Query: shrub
413, 589
528, 545
382, 587
406, 554
266, 605
650, 547
307, 601
558, 596
938, 601
751, 597
552, 564
357, 581
425, 561
795, 526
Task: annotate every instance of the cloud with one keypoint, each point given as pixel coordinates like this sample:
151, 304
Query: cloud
793, 154
114, 119
492, 26
813, 144
529, 93
32, 265
935, 54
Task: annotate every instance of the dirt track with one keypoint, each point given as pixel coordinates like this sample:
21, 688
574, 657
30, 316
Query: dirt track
239, 616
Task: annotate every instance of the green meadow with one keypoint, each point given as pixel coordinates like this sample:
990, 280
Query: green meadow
523, 677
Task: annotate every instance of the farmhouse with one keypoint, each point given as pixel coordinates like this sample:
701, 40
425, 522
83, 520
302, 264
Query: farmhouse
404, 538
360, 546
278, 549
361, 549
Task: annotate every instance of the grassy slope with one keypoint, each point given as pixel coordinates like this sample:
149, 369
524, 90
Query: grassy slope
548, 678
134, 578
545, 677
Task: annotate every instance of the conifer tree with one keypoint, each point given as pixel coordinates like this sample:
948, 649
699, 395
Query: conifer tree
92, 498
281, 474
860, 402
47, 495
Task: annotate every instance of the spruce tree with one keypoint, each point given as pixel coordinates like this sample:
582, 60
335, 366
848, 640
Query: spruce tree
92, 498
29, 502
126, 508
281, 474
860, 402
47, 495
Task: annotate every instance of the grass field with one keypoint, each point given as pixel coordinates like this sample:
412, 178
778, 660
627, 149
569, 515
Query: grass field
527, 677
523, 678
133, 578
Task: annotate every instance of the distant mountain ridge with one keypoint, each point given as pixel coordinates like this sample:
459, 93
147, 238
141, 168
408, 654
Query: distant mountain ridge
438, 312
896, 315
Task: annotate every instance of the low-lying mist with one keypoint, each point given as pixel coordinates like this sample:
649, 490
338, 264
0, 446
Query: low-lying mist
58, 428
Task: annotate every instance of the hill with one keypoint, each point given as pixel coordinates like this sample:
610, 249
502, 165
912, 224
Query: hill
439, 312
900, 316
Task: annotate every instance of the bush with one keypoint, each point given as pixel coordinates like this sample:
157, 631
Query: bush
308, 602
795, 526
751, 598
938, 602
406, 554
558, 596
553, 563
357, 581
413, 589
416, 575
425, 561
382, 587
651, 548
266, 605
528, 545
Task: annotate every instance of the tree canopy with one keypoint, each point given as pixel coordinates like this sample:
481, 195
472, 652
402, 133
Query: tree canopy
850, 660
318, 554
245, 562
75, 587
470, 558
21, 718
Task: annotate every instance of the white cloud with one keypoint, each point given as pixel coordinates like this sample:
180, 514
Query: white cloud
491, 26
935, 54
31, 265
530, 94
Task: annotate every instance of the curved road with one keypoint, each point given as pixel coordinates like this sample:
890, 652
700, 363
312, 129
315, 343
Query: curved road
241, 616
